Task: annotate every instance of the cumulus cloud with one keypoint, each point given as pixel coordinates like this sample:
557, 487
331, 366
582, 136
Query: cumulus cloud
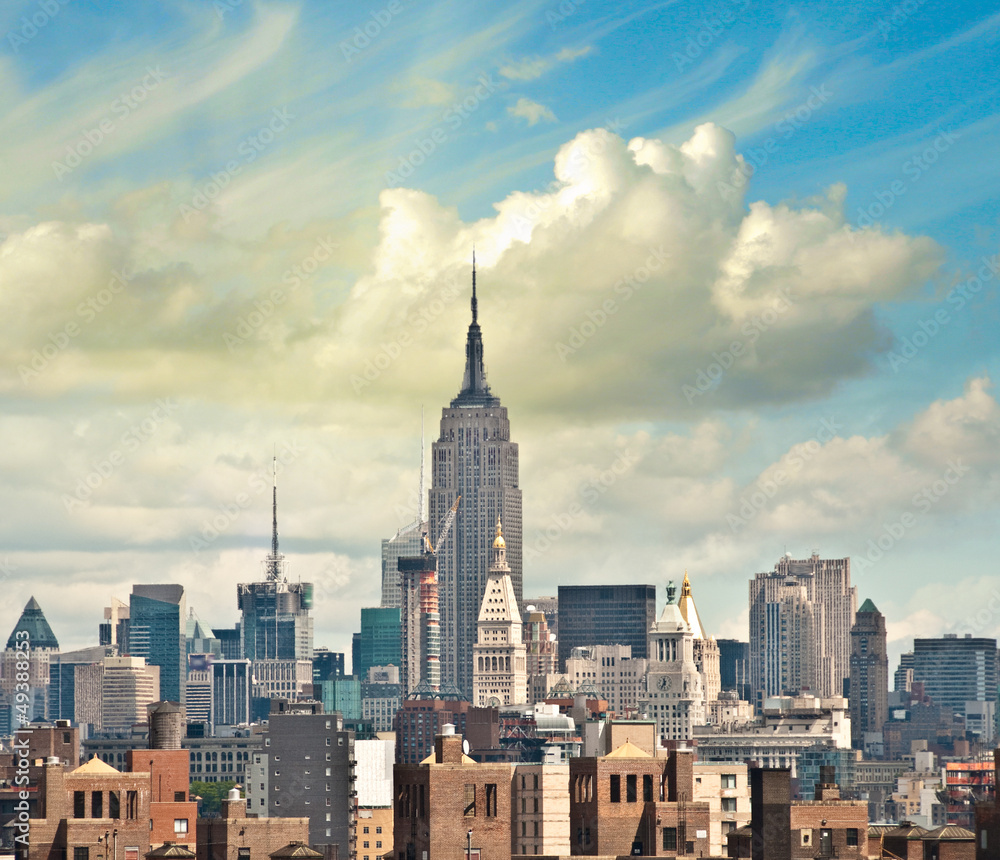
532, 111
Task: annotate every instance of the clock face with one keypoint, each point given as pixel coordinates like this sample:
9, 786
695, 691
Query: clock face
663, 683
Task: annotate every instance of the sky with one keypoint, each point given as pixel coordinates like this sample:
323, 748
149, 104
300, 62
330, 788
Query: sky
737, 269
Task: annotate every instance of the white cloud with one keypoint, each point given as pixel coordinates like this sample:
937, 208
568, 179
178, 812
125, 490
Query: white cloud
530, 68
533, 112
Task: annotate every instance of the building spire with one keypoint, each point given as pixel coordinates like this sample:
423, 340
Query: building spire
421, 503
475, 390
475, 303
273, 563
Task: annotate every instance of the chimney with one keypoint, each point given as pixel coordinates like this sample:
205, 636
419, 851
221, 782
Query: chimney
448, 746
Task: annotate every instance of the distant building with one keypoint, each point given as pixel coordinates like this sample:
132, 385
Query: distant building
869, 690
128, 687
408, 542
612, 672
903, 678
801, 615
232, 686
381, 697
605, 615
541, 647
158, 633
540, 821
33, 642
726, 790
327, 665
734, 668
373, 824
474, 458
379, 642
499, 674
549, 607
955, 671
674, 694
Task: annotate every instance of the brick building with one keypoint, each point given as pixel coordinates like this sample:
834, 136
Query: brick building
450, 804
629, 802
236, 836
988, 820
783, 829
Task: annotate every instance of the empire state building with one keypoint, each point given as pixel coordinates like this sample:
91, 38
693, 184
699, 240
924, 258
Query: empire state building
474, 458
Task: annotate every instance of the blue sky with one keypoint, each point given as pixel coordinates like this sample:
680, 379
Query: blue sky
807, 195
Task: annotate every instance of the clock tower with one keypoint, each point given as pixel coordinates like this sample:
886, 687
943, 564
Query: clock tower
673, 697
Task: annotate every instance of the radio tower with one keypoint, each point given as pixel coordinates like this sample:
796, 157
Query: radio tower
274, 564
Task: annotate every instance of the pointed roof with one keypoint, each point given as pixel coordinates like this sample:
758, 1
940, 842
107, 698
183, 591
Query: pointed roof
295, 851
671, 620
32, 621
868, 606
949, 833
475, 390
95, 766
689, 612
499, 599
177, 852
628, 750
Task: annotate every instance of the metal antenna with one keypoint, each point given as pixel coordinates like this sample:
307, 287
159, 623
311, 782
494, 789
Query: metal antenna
421, 507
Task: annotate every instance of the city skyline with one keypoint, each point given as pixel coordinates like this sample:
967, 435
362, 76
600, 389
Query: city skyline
245, 230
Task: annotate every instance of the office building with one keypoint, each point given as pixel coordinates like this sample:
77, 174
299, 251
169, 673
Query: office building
605, 615
611, 672
158, 634
499, 675
705, 648
198, 707
342, 695
379, 642
869, 689
801, 616
902, 681
128, 687
33, 642
381, 697
327, 665
540, 646
734, 667
956, 670
275, 622
232, 688
473, 458
113, 631
408, 542
540, 821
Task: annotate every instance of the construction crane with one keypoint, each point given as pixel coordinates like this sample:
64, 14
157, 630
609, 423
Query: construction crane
445, 527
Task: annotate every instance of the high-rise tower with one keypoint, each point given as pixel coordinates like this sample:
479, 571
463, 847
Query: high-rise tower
276, 622
473, 457
869, 699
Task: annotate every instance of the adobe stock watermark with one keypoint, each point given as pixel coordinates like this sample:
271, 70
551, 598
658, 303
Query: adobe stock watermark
900, 14
892, 533
711, 25
559, 13
584, 152
120, 109
31, 26
708, 378
753, 502
88, 310
451, 120
756, 157
589, 493
249, 149
264, 308
416, 324
258, 483
927, 329
131, 440
912, 169
363, 36
597, 317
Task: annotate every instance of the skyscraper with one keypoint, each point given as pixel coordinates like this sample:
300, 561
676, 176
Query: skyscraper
955, 671
813, 601
473, 457
869, 699
276, 623
605, 615
157, 632
378, 643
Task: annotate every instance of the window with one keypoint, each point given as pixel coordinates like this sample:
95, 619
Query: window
616, 788
79, 804
365, 829
243, 854
131, 804
378, 843
81, 853
96, 804
114, 804
328, 742
536, 781
729, 804
630, 788
469, 802
729, 780
366, 844
180, 825
378, 828
852, 836
491, 800
647, 788
669, 838
179, 797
